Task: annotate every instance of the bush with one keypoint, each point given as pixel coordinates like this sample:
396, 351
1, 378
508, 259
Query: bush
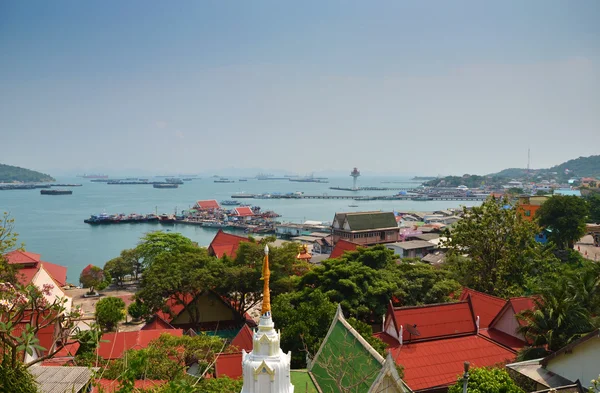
137, 310
109, 312
487, 380
16, 380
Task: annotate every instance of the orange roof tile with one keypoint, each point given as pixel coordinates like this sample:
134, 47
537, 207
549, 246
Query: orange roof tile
244, 211
428, 364
207, 205
57, 272
225, 244
436, 320
243, 340
113, 345
502, 338
341, 247
520, 304
22, 257
229, 364
485, 306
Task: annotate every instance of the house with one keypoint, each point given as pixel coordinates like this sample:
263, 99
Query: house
576, 363
435, 258
225, 244
506, 323
341, 247
411, 248
432, 342
244, 212
114, 345
528, 205
346, 360
62, 379
366, 228
323, 245
290, 230
212, 311
207, 205
229, 363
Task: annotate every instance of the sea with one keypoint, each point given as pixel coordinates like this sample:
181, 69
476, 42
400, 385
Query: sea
52, 225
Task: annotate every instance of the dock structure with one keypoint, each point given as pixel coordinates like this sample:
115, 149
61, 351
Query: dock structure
373, 189
356, 198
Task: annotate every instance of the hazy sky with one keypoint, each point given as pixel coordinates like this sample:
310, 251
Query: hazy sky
430, 87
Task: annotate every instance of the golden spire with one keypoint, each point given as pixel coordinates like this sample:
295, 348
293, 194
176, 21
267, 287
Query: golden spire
266, 273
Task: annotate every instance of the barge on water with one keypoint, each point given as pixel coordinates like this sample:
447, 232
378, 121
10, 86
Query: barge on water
56, 192
165, 185
103, 218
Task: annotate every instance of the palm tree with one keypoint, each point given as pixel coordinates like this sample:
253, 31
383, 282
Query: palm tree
558, 318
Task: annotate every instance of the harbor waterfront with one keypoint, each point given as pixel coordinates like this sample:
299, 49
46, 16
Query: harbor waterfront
54, 227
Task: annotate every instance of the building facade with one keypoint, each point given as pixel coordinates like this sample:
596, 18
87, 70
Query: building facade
365, 228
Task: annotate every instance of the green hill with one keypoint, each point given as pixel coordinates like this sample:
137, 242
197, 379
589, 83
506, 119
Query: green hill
582, 166
9, 174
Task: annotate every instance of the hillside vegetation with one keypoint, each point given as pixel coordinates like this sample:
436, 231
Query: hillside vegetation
9, 174
582, 166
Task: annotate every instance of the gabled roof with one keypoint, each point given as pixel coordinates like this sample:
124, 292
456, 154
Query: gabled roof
22, 257
435, 320
113, 345
243, 340
229, 364
485, 306
412, 244
225, 244
362, 221
244, 211
437, 363
341, 247
63, 356
516, 305
207, 205
569, 348
57, 272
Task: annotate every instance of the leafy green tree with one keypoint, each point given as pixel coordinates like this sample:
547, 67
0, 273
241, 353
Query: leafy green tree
94, 278
137, 310
177, 276
558, 317
487, 380
593, 200
565, 217
422, 283
109, 312
8, 242
158, 243
16, 379
120, 267
500, 247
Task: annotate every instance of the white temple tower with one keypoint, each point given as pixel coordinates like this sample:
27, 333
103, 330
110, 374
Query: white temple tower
267, 368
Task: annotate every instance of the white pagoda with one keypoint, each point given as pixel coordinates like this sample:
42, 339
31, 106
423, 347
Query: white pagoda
267, 368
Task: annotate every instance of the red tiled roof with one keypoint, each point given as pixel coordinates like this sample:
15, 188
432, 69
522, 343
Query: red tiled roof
87, 269
502, 338
63, 356
57, 272
112, 345
342, 246
428, 364
244, 211
229, 364
157, 322
243, 340
206, 205
26, 274
485, 306
21, 257
436, 320
520, 304
110, 385
225, 244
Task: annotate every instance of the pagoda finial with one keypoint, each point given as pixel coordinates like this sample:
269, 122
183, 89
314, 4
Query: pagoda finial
266, 273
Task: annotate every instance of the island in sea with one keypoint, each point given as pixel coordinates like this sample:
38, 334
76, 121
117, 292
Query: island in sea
12, 174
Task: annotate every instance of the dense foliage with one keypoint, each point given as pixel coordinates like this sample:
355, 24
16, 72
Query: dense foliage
486, 380
9, 174
94, 278
471, 181
593, 201
565, 217
582, 166
16, 379
109, 312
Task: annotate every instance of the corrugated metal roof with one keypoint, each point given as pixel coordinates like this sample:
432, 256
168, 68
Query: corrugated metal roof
61, 379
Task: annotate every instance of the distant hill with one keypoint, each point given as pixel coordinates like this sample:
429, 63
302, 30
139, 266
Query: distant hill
9, 174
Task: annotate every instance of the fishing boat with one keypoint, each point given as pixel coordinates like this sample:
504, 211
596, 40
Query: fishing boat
223, 180
167, 219
422, 198
352, 205
165, 185
230, 202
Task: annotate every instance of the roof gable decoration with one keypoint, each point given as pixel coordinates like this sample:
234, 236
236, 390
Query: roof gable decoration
347, 225
388, 379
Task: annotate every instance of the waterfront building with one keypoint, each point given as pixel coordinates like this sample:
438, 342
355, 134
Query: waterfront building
266, 369
365, 228
211, 204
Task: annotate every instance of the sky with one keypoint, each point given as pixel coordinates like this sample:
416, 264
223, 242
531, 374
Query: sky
407, 87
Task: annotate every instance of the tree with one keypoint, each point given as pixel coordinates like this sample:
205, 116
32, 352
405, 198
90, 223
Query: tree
137, 310
16, 380
156, 243
422, 283
565, 217
500, 247
120, 267
93, 278
558, 318
25, 312
109, 312
487, 380
593, 200
8, 242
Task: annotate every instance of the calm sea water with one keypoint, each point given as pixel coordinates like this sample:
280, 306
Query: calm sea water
53, 225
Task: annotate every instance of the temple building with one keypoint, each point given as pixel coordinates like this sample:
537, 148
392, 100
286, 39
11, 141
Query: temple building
266, 369
365, 228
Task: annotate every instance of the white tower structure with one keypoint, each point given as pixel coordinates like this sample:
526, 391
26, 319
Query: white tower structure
355, 174
267, 368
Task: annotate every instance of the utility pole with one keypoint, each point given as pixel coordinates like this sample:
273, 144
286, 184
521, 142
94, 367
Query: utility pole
466, 377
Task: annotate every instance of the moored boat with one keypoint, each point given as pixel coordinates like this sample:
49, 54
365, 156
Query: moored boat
56, 192
165, 185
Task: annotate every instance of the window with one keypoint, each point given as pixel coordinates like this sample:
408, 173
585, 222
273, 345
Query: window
527, 213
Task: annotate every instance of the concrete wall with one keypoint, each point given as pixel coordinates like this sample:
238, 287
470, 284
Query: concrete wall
582, 363
41, 278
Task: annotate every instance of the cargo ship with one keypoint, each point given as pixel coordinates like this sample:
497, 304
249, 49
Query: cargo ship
56, 192
94, 176
165, 185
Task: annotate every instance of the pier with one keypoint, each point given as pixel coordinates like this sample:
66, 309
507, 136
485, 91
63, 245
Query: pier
373, 188
358, 198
